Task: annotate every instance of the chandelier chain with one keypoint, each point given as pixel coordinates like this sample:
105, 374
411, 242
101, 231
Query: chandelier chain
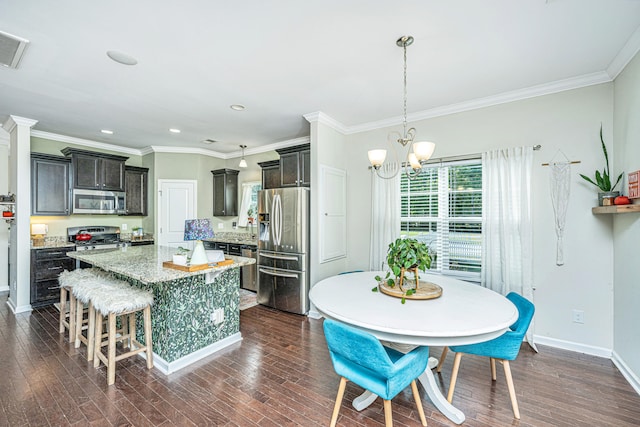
404, 119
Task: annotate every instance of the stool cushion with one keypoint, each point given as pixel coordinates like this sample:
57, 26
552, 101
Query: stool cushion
119, 299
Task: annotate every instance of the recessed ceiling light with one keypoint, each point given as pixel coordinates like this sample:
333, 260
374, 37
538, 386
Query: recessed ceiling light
208, 141
174, 130
107, 131
237, 107
121, 58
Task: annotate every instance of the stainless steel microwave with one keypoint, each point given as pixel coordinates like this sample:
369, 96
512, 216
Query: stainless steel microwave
98, 202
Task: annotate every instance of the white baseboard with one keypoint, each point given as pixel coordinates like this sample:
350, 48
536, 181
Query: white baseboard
626, 372
573, 346
19, 309
4, 288
170, 367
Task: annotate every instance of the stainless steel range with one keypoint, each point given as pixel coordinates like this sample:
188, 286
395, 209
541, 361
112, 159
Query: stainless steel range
94, 237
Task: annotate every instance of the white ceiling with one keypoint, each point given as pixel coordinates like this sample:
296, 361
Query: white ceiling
284, 59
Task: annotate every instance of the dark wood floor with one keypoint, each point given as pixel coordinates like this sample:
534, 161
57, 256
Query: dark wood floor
281, 375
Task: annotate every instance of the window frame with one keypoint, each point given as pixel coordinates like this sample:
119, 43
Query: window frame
443, 220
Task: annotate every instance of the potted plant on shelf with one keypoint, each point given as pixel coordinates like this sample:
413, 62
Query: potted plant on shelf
603, 181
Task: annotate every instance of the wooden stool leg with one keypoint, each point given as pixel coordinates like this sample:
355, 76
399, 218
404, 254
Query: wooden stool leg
132, 329
63, 308
111, 358
72, 317
97, 339
79, 317
147, 336
91, 333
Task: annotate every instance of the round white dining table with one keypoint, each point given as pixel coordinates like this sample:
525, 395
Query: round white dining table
466, 313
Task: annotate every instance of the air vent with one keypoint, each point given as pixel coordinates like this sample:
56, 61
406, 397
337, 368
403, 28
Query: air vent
11, 49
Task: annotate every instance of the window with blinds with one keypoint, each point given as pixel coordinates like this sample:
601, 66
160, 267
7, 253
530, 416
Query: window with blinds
443, 208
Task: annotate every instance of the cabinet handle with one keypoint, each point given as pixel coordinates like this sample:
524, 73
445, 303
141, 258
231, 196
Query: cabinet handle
55, 253
54, 287
54, 268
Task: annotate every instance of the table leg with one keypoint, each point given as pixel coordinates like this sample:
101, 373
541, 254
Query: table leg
428, 381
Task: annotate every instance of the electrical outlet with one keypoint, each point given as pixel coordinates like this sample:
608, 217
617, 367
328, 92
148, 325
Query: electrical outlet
217, 316
220, 225
578, 316
123, 227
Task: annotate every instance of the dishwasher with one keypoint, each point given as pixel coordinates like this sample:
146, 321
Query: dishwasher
249, 279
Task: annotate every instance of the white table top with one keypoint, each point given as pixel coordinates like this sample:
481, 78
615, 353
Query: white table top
465, 313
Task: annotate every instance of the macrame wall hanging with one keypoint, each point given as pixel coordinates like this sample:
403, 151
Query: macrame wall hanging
560, 190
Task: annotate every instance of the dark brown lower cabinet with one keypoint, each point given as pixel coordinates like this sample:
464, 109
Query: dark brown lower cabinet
46, 266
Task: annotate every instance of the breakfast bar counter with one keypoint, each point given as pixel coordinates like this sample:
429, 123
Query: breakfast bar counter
194, 314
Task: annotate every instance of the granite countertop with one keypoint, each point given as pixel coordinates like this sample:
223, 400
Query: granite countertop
54, 245
144, 263
128, 238
239, 238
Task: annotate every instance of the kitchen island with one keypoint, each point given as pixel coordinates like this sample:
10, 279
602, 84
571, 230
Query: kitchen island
183, 315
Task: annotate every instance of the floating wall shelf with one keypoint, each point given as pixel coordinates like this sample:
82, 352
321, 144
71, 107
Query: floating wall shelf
615, 209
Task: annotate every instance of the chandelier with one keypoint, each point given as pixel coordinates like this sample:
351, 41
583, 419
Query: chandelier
417, 152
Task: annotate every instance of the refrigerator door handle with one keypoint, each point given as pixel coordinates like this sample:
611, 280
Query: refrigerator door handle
278, 273
283, 257
279, 215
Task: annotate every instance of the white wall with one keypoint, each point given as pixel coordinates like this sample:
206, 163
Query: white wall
626, 227
567, 121
328, 148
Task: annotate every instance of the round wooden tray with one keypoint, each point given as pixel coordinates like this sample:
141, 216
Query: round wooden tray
426, 290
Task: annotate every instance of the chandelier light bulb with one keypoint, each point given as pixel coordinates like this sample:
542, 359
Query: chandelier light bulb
376, 157
413, 161
423, 150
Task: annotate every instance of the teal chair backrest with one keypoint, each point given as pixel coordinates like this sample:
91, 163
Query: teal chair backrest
359, 357
357, 347
507, 345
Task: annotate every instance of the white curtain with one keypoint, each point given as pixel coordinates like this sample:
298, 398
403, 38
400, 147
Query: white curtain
507, 233
385, 215
245, 204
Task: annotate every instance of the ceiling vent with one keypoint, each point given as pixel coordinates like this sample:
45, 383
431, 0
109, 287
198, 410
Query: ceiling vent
11, 49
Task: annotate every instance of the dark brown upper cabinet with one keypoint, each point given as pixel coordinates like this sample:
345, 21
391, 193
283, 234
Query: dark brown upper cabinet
96, 171
225, 192
136, 183
50, 185
270, 174
295, 166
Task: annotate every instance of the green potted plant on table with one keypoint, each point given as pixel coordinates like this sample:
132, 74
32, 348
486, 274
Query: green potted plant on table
602, 180
403, 256
181, 256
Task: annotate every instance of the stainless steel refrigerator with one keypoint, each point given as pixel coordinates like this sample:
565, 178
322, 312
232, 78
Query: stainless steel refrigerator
283, 249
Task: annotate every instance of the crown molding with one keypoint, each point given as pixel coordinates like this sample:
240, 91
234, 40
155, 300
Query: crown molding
321, 117
14, 121
626, 54
182, 150
503, 98
84, 142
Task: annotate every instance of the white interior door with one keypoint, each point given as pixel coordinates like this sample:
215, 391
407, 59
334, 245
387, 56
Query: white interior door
176, 203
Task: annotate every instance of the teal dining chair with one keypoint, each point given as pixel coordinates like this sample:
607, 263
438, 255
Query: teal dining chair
359, 357
504, 348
